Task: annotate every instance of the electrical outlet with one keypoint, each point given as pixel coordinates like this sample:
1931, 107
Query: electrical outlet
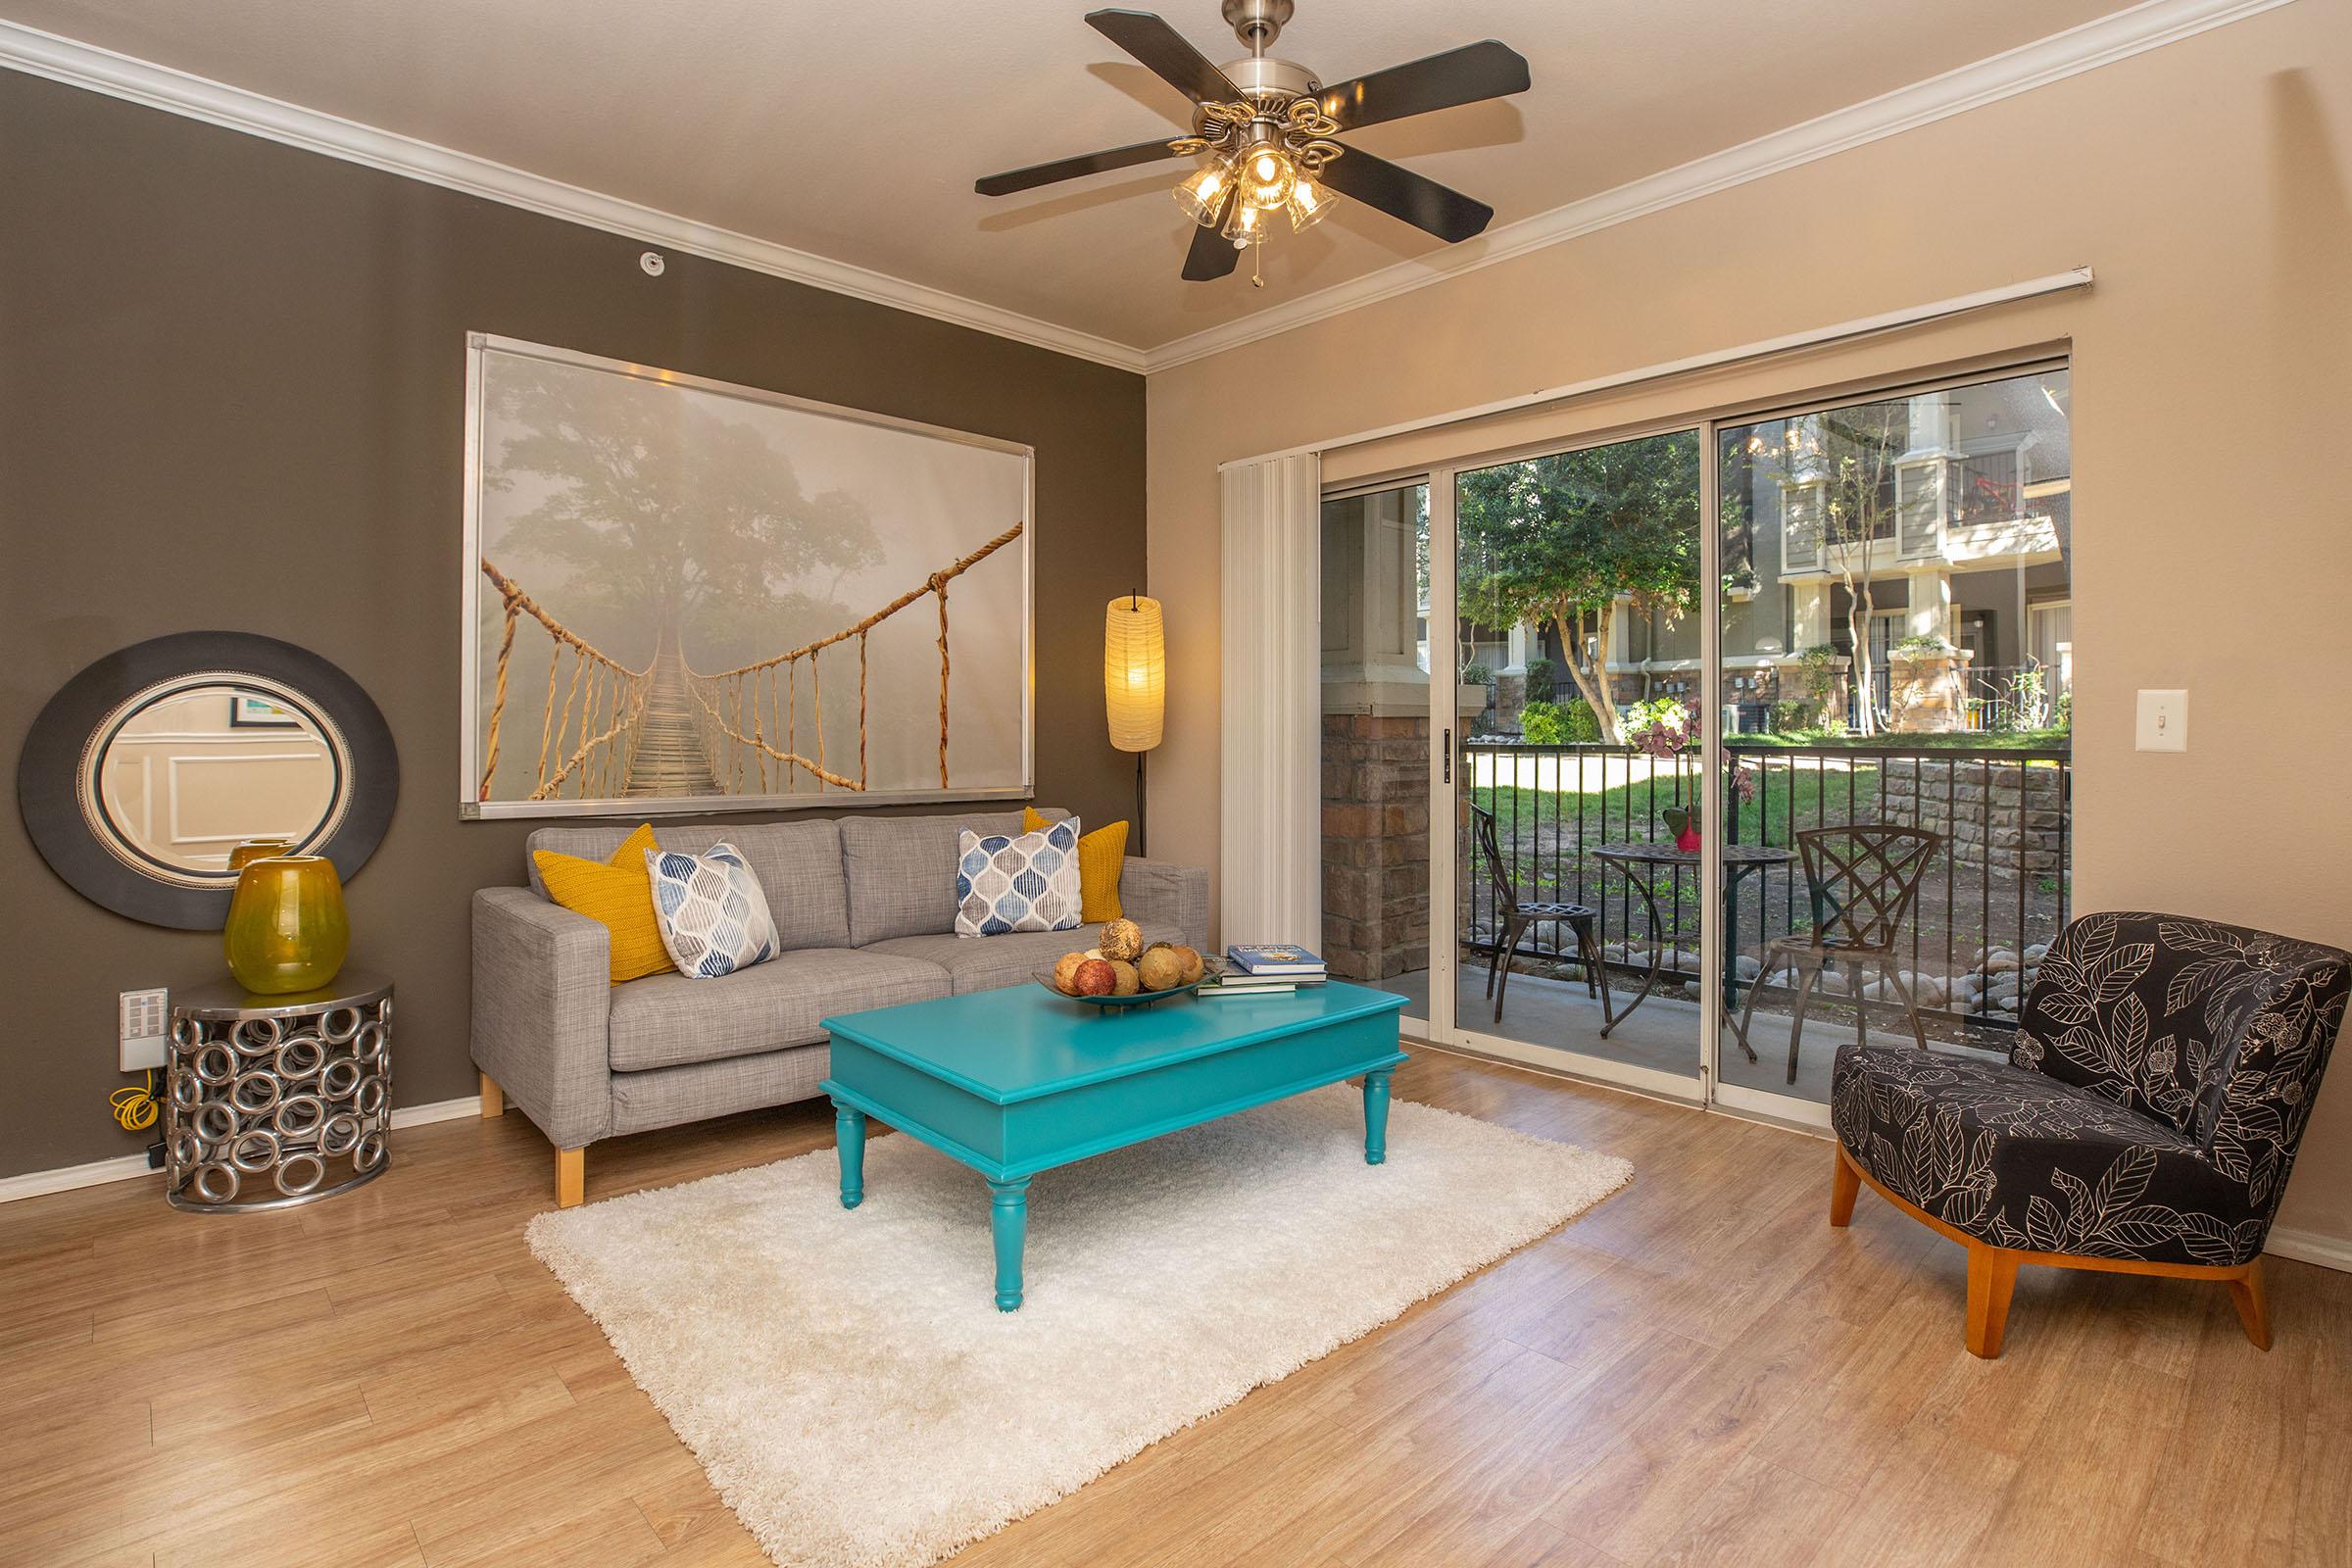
143, 1021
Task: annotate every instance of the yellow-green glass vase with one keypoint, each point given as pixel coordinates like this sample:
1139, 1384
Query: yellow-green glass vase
286, 929
242, 855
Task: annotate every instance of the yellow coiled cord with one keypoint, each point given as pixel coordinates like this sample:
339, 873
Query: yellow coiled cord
135, 1108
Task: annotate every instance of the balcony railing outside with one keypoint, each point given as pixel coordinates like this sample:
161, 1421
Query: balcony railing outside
1975, 917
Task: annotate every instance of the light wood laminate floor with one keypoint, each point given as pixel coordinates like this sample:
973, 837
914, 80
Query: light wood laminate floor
1700, 1370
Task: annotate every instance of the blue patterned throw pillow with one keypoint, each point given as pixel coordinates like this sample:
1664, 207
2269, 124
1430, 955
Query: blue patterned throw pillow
713, 915
1018, 881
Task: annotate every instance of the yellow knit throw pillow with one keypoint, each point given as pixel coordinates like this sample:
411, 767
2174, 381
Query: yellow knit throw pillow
1101, 856
618, 894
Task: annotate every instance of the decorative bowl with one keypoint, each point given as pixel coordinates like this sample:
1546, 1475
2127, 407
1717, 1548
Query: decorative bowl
1044, 977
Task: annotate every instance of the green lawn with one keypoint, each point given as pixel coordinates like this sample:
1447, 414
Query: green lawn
1630, 811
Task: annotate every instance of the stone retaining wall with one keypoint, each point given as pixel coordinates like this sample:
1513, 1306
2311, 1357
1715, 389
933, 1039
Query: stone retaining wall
1993, 813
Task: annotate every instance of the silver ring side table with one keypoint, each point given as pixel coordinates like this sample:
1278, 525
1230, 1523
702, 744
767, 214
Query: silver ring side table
265, 1097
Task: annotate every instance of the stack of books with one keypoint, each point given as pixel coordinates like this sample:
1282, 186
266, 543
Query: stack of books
1255, 969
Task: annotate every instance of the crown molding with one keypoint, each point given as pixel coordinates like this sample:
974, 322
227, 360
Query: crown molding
2101, 42
2096, 43
75, 64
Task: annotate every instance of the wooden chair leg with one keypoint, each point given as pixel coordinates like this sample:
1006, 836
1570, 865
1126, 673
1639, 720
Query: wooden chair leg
2253, 1305
1991, 1275
571, 1177
1846, 1185
494, 1099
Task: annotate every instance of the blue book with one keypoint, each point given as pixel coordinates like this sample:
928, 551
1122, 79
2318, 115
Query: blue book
1280, 957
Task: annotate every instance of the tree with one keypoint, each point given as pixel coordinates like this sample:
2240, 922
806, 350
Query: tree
1572, 541
671, 516
1856, 456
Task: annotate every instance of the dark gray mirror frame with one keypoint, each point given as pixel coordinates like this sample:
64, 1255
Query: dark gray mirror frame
48, 773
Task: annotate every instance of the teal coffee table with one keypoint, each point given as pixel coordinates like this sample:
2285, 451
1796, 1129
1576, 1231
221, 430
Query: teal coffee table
1016, 1081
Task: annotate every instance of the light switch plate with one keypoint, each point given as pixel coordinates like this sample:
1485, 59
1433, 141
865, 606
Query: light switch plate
144, 1018
2163, 721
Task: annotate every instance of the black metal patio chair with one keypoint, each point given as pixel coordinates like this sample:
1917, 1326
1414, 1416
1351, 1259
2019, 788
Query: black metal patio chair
1514, 915
1862, 880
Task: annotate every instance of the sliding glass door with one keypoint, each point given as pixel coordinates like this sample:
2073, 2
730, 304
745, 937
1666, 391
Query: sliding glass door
1896, 690
1578, 921
1679, 759
1377, 739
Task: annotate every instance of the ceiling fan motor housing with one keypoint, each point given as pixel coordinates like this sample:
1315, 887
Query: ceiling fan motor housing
1256, 23
1261, 76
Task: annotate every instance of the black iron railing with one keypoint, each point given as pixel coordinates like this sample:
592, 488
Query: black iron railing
1998, 887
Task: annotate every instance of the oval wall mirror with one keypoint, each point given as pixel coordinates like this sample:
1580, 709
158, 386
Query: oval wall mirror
147, 768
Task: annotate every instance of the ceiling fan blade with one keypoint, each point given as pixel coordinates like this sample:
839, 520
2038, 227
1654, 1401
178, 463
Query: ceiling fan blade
1035, 174
1212, 255
1163, 51
1400, 193
1469, 75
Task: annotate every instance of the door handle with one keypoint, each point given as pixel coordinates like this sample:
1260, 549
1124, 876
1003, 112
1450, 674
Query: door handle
1449, 757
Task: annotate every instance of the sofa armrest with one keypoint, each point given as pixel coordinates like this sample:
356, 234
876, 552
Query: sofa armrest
1161, 892
542, 989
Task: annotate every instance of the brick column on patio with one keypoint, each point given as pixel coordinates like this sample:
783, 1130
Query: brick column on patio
1375, 845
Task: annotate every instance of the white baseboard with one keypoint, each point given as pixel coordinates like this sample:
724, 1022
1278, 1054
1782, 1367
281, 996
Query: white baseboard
2303, 1246
2310, 1247
35, 1183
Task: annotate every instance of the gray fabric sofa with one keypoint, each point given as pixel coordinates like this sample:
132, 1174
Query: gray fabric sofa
864, 910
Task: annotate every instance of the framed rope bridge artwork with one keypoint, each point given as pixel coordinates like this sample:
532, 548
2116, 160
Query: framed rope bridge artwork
686, 595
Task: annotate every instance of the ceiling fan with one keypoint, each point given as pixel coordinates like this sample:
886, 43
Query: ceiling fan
1267, 126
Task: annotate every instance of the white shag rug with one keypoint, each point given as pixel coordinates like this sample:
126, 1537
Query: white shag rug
856, 1396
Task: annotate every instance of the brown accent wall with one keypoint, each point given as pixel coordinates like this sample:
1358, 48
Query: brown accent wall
231, 396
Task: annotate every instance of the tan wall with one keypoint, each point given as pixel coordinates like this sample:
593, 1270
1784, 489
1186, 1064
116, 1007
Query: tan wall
2207, 182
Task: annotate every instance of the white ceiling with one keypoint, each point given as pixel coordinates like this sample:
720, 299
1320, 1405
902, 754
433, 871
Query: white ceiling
854, 128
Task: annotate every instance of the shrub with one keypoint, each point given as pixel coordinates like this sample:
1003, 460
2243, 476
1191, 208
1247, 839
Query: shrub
1541, 683
1795, 713
1475, 673
1550, 724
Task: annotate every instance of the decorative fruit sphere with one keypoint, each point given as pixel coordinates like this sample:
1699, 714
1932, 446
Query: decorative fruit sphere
1125, 981
1065, 973
1122, 939
1096, 978
1193, 967
1160, 970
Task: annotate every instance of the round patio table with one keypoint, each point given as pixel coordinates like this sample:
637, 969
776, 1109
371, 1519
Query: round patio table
1740, 862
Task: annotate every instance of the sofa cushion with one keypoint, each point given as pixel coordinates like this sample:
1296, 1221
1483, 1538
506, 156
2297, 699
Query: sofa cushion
900, 871
666, 1020
798, 864
983, 963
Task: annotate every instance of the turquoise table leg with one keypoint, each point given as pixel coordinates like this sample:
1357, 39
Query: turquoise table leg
1376, 1117
1009, 1219
849, 1134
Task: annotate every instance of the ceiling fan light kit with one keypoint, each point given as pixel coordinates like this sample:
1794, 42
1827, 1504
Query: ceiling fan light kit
1266, 128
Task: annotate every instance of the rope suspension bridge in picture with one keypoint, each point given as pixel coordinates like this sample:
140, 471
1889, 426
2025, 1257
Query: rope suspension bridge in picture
668, 729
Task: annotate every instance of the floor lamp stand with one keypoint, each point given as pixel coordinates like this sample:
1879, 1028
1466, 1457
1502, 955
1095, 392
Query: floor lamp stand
1139, 805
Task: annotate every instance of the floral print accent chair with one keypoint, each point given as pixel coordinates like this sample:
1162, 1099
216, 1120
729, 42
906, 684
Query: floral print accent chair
2144, 1123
